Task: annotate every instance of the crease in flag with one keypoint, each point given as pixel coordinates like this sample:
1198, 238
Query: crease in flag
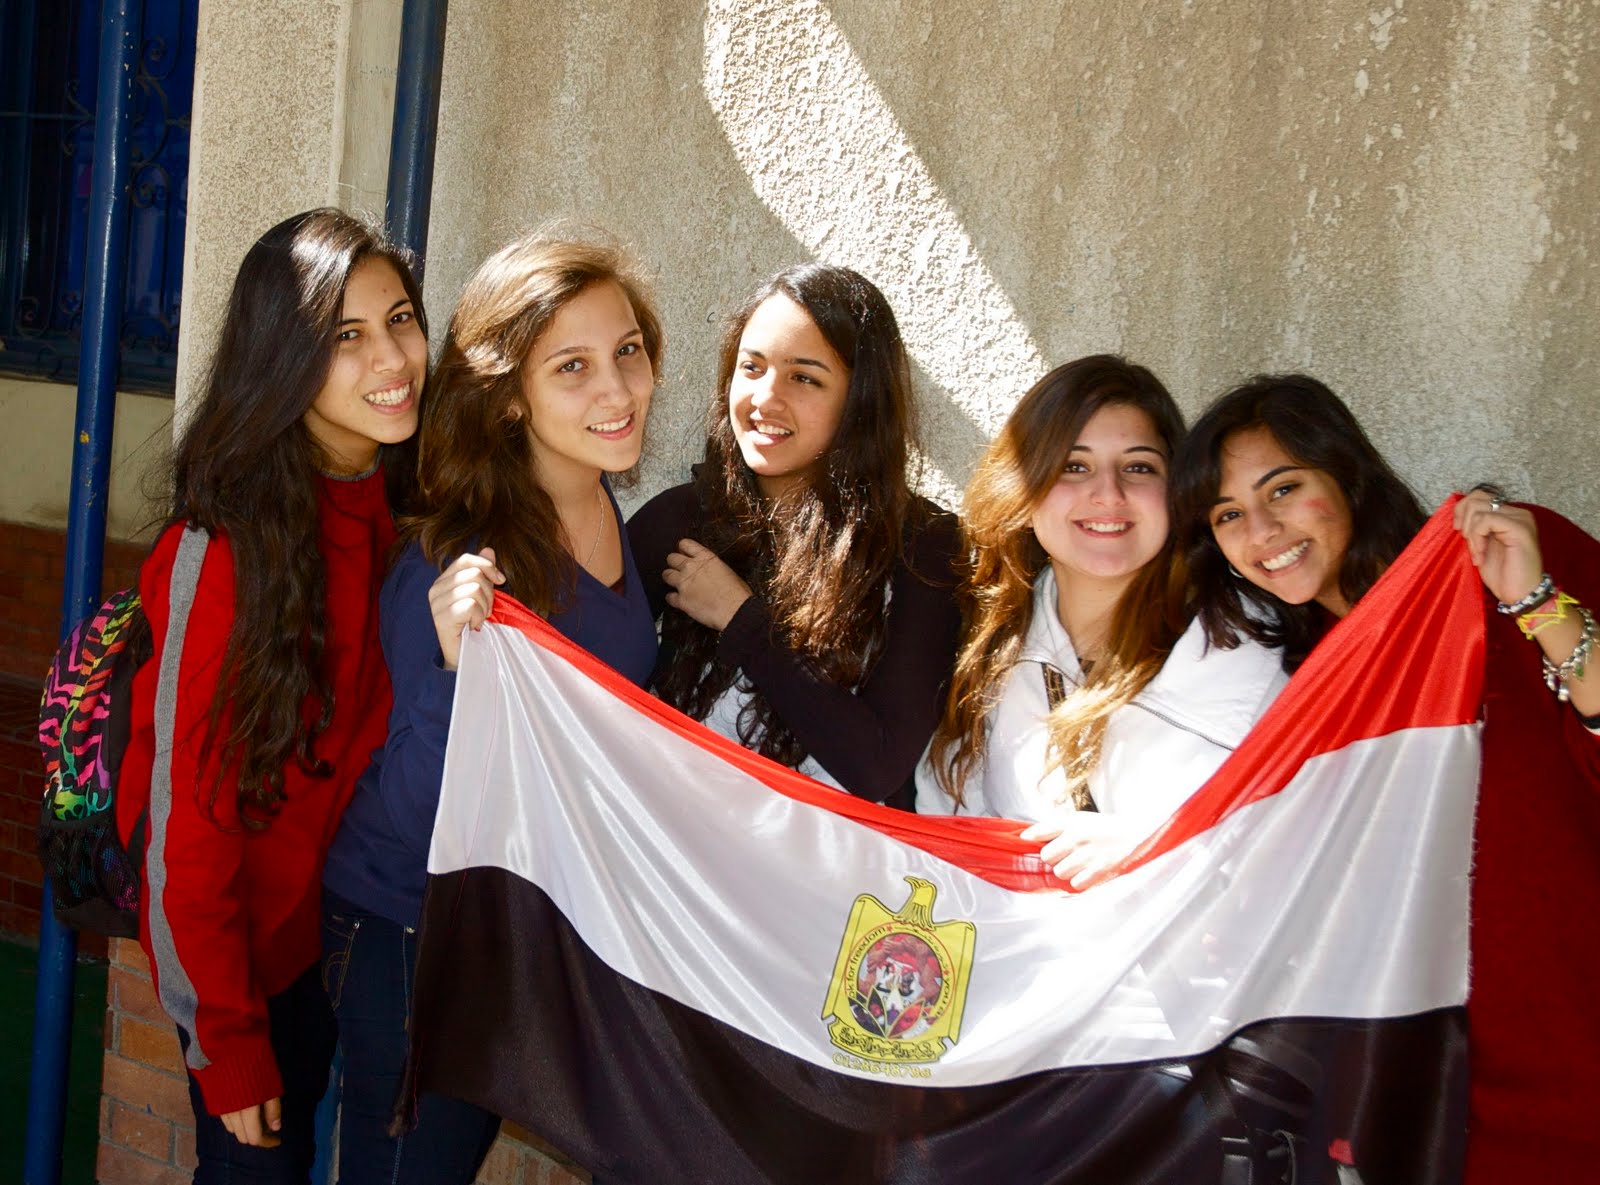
677, 961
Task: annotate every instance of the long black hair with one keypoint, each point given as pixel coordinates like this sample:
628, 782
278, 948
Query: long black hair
821, 556
1314, 427
246, 468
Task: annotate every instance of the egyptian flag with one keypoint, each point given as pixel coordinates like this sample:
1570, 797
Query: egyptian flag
679, 962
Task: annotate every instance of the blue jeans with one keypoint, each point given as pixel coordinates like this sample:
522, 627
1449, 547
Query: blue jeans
301, 1026
367, 966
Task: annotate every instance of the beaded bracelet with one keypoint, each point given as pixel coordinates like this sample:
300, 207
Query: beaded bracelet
1557, 677
1539, 595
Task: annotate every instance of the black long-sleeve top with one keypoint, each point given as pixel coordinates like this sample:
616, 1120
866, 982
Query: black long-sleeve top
868, 739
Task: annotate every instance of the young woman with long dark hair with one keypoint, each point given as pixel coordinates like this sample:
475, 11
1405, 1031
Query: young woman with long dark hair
268, 691
806, 593
1083, 698
1288, 515
542, 389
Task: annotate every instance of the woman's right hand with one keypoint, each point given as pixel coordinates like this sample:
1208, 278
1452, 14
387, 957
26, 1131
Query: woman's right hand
462, 598
1083, 848
257, 1126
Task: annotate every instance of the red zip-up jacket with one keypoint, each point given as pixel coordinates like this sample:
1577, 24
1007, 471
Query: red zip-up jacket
229, 915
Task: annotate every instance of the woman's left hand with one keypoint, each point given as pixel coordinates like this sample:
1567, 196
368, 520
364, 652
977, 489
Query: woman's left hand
1086, 846
1503, 543
703, 586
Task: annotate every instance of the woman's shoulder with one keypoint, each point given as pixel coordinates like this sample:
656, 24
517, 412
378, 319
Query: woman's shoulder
1217, 691
674, 507
156, 572
933, 546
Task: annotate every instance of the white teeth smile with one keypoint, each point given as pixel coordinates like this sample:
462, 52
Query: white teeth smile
1102, 528
769, 429
1284, 558
612, 425
393, 397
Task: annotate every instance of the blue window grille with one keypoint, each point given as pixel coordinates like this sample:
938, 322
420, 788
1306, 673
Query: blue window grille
48, 52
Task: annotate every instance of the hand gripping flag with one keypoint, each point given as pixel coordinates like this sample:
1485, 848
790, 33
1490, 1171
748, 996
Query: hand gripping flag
679, 962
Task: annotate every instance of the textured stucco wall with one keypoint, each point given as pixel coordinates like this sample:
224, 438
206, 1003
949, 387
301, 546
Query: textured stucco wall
293, 102
1401, 199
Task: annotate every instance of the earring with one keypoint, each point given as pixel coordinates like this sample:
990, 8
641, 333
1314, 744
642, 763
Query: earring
1235, 572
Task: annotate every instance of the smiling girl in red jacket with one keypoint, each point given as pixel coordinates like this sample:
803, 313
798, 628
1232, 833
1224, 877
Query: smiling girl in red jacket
268, 692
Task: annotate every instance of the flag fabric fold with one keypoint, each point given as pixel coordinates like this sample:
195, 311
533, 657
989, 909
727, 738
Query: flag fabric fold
677, 961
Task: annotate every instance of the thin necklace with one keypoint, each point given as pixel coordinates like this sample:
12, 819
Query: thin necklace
599, 525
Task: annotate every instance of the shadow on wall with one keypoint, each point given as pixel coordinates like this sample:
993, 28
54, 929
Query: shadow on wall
827, 157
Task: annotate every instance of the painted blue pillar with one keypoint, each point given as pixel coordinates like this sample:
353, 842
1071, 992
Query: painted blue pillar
416, 123
120, 25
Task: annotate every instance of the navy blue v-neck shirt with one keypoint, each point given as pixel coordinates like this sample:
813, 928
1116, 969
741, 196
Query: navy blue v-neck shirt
379, 856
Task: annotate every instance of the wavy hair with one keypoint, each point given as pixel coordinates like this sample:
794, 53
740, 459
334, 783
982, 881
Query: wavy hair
477, 477
820, 556
1318, 431
1005, 558
246, 468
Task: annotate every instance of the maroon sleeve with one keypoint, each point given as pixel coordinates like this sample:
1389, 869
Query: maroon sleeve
1572, 557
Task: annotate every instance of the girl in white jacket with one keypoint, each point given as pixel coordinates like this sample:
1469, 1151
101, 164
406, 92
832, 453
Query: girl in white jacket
1083, 698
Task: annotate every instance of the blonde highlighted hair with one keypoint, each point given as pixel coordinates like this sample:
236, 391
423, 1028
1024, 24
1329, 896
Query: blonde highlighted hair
1005, 557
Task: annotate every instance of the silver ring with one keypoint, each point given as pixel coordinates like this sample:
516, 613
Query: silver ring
1494, 505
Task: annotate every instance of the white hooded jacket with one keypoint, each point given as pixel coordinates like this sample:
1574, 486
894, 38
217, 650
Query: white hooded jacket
1158, 750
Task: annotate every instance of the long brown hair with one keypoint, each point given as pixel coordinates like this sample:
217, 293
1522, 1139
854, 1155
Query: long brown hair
1315, 428
246, 468
477, 478
1005, 557
821, 556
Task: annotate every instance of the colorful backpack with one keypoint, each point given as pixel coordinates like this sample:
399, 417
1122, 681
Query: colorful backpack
84, 722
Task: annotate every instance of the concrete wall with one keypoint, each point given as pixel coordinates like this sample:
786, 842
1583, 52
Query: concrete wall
1397, 198
1392, 197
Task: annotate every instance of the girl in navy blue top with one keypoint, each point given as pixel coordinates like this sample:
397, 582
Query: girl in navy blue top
541, 390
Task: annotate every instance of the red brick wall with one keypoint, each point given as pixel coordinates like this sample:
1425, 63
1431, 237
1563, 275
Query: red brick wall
31, 576
32, 571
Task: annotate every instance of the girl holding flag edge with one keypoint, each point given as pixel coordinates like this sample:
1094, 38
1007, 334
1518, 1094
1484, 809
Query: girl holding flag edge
1288, 515
542, 389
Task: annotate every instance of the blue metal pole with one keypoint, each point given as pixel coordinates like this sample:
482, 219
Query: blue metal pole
416, 123
120, 25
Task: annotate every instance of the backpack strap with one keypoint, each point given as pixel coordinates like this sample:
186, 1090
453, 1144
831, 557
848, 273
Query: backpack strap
177, 992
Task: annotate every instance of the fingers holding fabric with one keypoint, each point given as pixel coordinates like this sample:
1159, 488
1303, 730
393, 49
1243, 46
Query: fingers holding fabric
462, 598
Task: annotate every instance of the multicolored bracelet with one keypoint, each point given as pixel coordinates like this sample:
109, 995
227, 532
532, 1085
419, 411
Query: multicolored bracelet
1540, 594
1556, 677
1552, 612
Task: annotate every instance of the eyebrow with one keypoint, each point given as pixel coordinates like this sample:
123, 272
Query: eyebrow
1136, 448
1260, 481
359, 320
581, 349
817, 362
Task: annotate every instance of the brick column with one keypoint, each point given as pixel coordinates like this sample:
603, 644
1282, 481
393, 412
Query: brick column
146, 1125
